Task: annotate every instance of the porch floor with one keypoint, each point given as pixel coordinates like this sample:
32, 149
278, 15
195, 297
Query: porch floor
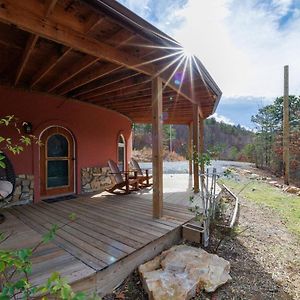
109, 238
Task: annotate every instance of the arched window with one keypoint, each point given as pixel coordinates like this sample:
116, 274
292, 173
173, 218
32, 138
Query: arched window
121, 153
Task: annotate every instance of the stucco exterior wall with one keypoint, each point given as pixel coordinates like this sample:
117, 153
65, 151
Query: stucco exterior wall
95, 130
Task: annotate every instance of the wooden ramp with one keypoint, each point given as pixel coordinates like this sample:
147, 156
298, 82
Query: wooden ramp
110, 237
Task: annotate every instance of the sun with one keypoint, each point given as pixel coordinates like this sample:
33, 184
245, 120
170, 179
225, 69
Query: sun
189, 48
187, 52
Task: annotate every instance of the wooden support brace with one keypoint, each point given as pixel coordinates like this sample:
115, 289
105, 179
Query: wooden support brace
190, 148
25, 57
201, 142
196, 147
157, 147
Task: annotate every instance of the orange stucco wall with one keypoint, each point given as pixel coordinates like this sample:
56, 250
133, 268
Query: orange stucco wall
95, 130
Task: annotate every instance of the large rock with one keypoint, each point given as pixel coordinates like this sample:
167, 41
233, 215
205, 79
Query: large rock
181, 271
292, 189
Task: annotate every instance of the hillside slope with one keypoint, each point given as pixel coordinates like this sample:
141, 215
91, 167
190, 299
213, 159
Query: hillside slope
224, 141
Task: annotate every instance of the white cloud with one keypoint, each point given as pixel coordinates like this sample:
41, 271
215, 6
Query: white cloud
220, 118
242, 46
140, 7
241, 43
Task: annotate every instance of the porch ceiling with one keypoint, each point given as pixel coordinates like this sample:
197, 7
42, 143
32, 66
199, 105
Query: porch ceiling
100, 53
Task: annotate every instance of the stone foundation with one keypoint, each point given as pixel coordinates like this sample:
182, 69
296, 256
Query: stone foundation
95, 179
24, 190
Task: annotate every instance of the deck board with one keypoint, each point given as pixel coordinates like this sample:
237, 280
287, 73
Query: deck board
108, 230
47, 258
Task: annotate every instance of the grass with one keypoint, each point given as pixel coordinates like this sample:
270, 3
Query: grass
287, 205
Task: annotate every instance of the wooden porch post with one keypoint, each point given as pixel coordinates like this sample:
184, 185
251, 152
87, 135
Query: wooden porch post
190, 148
196, 147
201, 142
157, 147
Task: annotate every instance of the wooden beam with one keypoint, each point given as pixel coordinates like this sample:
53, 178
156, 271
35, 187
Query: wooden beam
100, 72
32, 20
201, 143
196, 147
125, 95
25, 57
286, 127
96, 86
14, 13
120, 38
190, 148
123, 83
93, 22
50, 64
84, 63
133, 107
49, 7
138, 101
157, 147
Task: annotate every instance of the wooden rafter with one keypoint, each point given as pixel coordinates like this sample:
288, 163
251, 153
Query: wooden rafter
51, 63
134, 107
93, 22
121, 39
50, 4
31, 43
105, 82
84, 63
124, 93
127, 85
25, 56
89, 77
139, 99
32, 21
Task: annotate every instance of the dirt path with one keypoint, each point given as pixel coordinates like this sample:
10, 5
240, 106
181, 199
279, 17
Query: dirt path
265, 259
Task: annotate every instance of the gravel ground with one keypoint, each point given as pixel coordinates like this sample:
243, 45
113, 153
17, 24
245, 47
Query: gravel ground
264, 258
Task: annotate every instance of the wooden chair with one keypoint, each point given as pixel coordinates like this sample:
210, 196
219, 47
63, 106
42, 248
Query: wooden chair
144, 178
123, 182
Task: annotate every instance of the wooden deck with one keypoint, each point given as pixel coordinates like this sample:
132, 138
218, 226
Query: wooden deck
110, 237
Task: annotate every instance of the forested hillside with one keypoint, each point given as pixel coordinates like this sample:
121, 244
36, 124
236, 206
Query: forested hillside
222, 140
269, 141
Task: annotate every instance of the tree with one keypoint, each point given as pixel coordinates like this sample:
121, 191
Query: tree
234, 153
268, 140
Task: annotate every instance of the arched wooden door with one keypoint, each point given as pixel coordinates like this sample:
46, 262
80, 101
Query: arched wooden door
57, 162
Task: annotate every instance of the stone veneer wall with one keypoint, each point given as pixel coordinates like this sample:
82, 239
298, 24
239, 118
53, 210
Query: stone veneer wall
95, 179
24, 189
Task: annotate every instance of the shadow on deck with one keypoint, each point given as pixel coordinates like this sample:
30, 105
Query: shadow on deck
110, 237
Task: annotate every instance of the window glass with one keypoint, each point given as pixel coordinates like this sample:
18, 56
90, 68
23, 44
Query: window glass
58, 173
121, 153
57, 146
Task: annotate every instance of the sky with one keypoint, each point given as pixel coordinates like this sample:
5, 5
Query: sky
244, 44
